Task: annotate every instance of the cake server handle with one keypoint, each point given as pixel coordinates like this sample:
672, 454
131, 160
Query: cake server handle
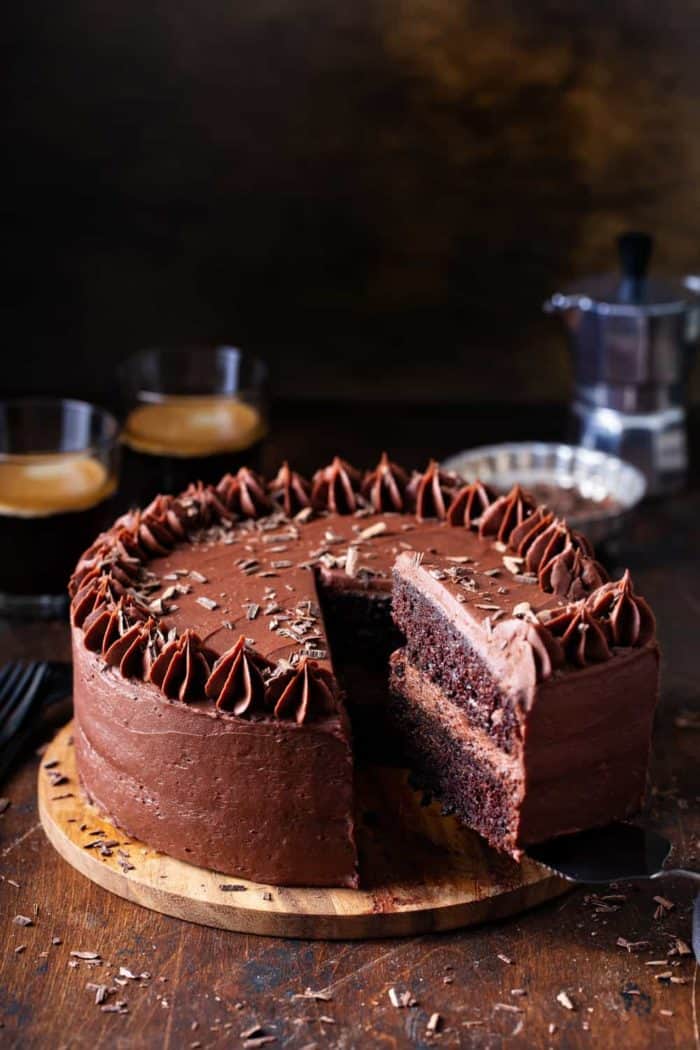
682, 873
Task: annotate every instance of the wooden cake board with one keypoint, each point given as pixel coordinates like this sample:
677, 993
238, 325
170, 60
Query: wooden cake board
420, 870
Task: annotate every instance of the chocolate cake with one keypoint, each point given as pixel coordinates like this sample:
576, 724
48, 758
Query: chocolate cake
214, 631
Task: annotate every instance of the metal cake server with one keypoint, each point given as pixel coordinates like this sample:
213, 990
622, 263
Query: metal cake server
612, 854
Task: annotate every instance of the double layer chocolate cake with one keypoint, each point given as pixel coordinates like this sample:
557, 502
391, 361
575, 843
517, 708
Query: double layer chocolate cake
213, 633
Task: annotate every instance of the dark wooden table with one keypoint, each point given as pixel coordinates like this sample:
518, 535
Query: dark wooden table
620, 956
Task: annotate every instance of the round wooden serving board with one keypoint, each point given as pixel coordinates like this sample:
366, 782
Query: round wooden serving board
420, 870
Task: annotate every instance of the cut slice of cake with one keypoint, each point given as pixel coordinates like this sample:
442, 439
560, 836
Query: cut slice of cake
527, 717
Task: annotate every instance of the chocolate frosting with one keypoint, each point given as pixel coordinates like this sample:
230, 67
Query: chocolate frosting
236, 683
116, 554
524, 535
469, 504
108, 622
336, 487
263, 799
290, 490
625, 616
163, 522
561, 558
86, 572
134, 651
95, 591
432, 491
541, 536
203, 506
244, 494
506, 513
125, 545
547, 651
304, 694
557, 556
582, 637
124, 557
100, 628
571, 574
181, 669
151, 539
385, 486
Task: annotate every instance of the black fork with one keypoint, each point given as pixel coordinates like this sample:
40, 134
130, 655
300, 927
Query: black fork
25, 689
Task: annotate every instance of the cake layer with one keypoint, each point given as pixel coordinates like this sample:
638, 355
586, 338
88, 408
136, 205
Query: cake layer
269, 801
481, 785
442, 652
583, 763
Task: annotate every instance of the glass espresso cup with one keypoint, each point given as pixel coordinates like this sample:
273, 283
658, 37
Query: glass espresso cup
192, 414
58, 474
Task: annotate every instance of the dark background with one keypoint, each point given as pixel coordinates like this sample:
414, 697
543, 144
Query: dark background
377, 196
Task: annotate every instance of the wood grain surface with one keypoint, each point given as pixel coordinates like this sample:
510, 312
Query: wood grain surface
421, 872
494, 986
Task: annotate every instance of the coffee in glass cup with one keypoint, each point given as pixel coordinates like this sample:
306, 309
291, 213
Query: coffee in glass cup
58, 477
192, 413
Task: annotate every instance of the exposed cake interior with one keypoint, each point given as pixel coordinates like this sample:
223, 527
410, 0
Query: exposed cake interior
519, 755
